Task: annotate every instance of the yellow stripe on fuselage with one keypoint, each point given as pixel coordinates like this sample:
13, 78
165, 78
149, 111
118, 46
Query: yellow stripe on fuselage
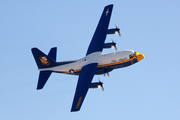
116, 63
109, 64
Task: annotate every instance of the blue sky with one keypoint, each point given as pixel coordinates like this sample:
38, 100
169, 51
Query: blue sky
148, 90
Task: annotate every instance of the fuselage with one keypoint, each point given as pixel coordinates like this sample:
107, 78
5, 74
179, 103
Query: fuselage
106, 62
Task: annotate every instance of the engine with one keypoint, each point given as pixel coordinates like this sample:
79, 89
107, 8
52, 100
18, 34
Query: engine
114, 31
110, 45
97, 85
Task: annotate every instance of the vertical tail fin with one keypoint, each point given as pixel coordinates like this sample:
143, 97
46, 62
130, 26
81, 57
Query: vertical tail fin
44, 61
52, 53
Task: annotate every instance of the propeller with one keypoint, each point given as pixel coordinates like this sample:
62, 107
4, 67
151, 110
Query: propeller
118, 30
114, 44
101, 84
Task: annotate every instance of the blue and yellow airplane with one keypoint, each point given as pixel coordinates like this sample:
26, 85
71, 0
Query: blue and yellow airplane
94, 63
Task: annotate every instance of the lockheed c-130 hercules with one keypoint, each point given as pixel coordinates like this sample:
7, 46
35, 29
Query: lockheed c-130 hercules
94, 63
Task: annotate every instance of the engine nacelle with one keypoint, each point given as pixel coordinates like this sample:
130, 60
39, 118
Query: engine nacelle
95, 85
108, 45
112, 31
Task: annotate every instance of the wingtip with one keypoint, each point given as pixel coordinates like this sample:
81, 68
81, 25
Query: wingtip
34, 48
110, 5
38, 88
74, 110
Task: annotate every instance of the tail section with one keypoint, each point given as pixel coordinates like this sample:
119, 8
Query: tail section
52, 53
44, 61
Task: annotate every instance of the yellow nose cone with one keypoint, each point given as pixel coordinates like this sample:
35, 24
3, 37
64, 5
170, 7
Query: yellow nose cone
139, 56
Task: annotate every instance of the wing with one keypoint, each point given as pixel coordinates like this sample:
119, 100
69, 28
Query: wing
99, 36
85, 78
95, 48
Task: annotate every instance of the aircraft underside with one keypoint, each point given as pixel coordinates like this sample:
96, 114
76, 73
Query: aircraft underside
103, 69
94, 62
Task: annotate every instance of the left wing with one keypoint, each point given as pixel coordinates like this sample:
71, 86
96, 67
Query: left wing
95, 49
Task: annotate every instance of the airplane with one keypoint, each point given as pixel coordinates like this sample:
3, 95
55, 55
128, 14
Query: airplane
94, 62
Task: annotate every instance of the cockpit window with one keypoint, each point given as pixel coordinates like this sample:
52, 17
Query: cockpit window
132, 55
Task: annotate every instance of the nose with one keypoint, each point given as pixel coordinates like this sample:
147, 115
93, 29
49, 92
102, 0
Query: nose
139, 56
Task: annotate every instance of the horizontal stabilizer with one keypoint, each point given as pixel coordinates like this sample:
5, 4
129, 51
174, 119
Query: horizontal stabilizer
43, 77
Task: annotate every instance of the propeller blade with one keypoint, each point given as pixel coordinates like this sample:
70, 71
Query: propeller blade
102, 88
114, 44
115, 48
118, 30
101, 84
119, 34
